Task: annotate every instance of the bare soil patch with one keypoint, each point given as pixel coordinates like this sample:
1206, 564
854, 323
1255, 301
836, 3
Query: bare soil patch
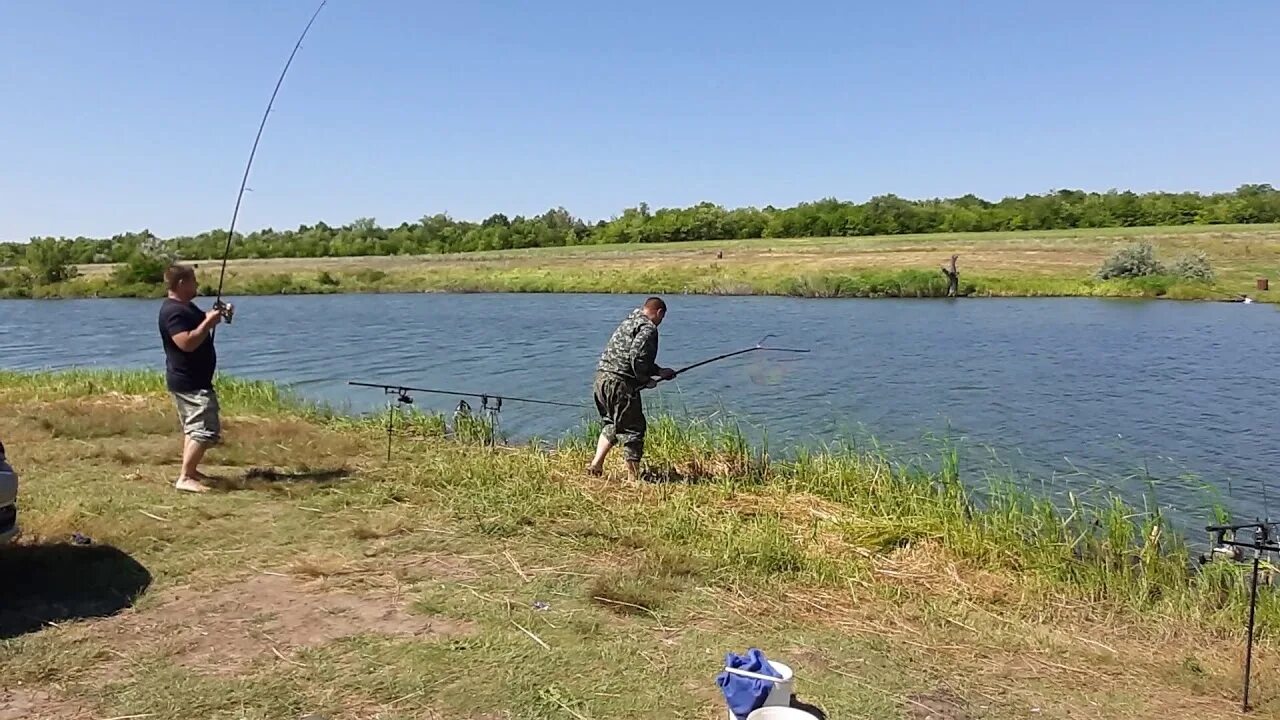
271, 615
31, 703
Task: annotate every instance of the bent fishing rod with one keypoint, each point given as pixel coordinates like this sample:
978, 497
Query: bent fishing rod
226, 252
760, 346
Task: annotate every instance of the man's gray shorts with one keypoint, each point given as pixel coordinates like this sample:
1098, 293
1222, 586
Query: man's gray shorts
198, 412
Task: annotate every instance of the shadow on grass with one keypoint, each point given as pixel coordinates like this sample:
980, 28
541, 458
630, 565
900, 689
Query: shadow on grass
260, 477
55, 583
813, 710
688, 474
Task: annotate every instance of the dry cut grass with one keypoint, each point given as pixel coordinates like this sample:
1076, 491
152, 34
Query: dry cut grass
464, 582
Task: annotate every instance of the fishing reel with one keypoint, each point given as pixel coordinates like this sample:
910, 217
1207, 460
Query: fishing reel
225, 310
1226, 543
463, 410
1226, 540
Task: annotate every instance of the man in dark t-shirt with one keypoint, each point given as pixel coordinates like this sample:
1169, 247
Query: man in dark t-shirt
186, 333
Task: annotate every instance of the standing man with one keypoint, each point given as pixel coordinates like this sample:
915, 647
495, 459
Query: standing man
629, 362
186, 332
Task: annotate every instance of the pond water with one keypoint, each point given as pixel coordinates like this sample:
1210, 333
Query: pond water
1066, 393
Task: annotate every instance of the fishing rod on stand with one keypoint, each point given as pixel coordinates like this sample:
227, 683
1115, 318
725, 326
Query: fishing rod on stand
226, 310
490, 405
1265, 539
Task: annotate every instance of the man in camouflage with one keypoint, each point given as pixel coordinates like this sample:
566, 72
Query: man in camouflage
628, 364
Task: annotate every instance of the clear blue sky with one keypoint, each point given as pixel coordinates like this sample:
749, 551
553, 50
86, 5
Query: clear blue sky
137, 114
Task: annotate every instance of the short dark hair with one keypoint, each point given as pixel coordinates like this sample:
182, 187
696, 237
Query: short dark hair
175, 274
655, 303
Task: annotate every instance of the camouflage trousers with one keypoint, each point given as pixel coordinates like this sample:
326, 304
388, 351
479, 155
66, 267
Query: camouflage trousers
622, 413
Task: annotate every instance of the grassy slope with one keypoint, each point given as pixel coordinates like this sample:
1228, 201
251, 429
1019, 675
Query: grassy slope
887, 591
997, 264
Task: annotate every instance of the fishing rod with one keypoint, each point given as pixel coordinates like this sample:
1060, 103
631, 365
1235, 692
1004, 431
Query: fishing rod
226, 252
760, 346
404, 389
1224, 542
490, 405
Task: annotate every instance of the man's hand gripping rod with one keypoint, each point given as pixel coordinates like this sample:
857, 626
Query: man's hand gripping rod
225, 310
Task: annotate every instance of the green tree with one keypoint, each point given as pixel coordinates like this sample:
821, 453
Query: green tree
49, 260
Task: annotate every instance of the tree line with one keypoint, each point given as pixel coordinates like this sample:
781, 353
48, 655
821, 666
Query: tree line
46, 257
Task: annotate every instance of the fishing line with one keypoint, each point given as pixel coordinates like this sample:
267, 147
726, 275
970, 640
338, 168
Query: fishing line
226, 252
405, 389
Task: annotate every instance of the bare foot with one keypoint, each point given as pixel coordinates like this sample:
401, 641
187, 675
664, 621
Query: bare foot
189, 484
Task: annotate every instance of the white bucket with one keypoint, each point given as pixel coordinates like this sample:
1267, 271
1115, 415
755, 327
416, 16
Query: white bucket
781, 713
779, 695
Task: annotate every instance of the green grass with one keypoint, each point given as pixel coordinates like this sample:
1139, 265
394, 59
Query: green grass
879, 581
234, 394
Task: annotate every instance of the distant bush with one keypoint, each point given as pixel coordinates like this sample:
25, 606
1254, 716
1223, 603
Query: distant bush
15, 283
881, 283
49, 261
326, 279
1193, 266
1132, 261
369, 275
141, 268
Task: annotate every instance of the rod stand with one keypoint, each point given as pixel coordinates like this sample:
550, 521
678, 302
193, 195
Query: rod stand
1224, 542
491, 409
393, 407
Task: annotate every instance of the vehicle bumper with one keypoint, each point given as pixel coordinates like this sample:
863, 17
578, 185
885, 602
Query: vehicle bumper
8, 523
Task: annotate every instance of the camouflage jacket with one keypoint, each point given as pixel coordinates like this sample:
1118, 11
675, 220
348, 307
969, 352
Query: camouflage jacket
632, 350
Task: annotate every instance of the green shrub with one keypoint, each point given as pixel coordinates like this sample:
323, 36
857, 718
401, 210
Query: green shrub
1131, 261
369, 275
49, 261
1193, 266
16, 283
141, 268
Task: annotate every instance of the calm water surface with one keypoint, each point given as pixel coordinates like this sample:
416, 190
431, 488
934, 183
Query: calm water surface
1061, 393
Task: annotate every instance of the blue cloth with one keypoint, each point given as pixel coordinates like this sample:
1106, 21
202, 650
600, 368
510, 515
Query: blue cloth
744, 694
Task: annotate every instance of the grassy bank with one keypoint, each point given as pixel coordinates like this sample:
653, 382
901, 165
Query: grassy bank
1050, 263
459, 581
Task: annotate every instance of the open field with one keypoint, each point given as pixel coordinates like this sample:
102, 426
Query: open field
459, 581
1051, 263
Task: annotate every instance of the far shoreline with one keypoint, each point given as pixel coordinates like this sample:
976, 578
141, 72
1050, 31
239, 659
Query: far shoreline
1238, 262
1113, 290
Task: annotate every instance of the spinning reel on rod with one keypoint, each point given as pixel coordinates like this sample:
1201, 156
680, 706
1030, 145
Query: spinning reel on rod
1224, 542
